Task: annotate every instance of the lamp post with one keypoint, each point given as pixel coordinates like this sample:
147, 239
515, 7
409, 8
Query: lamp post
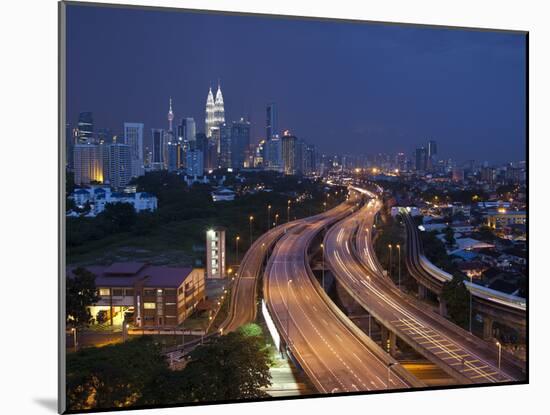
389, 266
389, 373
73, 330
399, 265
288, 211
499, 353
470, 302
237, 238
324, 206
268, 216
323, 270
250, 220
276, 218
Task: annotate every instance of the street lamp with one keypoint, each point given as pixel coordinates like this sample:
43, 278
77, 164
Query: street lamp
276, 218
288, 211
471, 281
323, 270
399, 265
268, 216
324, 206
250, 220
499, 353
237, 238
389, 373
389, 267
73, 330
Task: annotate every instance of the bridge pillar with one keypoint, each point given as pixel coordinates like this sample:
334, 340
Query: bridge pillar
442, 306
487, 328
422, 292
393, 343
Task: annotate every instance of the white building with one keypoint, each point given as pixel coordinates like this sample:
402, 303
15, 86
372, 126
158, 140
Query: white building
99, 196
223, 195
215, 253
133, 136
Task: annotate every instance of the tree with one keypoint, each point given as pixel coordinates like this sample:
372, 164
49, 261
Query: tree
229, 367
117, 217
81, 292
251, 330
449, 236
457, 299
114, 376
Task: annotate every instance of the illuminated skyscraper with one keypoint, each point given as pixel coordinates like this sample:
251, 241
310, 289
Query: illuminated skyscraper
215, 111
272, 119
290, 153
209, 119
85, 127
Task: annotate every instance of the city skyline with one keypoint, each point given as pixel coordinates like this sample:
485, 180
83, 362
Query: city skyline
141, 96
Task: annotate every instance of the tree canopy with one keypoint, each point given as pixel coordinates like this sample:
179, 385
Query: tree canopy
457, 297
80, 293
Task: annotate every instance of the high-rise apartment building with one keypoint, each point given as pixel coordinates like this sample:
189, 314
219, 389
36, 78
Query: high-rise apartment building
195, 162
290, 153
88, 164
215, 253
120, 165
133, 137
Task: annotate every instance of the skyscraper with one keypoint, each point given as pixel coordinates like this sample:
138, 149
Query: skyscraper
290, 153
420, 159
158, 149
195, 163
85, 127
274, 154
219, 110
120, 165
431, 157
88, 164
133, 137
225, 146
240, 141
272, 121
209, 122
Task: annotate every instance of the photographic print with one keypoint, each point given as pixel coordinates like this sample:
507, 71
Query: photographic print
259, 207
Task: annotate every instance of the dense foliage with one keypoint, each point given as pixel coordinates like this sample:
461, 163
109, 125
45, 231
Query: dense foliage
134, 373
81, 292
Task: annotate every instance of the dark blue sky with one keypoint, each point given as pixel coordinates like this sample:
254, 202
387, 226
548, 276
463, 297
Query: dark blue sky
346, 87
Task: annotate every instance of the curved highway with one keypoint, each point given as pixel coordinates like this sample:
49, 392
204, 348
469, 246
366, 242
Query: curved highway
463, 356
334, 353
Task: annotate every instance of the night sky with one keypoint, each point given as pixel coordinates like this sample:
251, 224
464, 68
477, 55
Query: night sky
355, 88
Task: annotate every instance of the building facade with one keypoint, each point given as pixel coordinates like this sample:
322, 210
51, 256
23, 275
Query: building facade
215, 253
88, 163
133, 137
145, 295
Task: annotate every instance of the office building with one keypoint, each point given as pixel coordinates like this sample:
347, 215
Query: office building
272, 121
431, 155
215, 111
225, 146
240, 141
215, 253
85, 128
120, 165
195, 162
274, 154
420, 159
133, 137
157, 162
145, 295
290, 153
88, 164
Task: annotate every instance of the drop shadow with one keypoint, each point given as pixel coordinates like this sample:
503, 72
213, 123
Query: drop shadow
48, 403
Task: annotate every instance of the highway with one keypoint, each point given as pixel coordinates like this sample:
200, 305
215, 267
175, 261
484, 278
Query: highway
434, 277
334, 353
242, 308
466, 358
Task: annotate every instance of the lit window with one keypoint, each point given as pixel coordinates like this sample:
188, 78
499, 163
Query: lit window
149, 306
104, 291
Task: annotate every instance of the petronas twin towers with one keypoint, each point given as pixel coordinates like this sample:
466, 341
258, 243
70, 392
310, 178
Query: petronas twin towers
215, 112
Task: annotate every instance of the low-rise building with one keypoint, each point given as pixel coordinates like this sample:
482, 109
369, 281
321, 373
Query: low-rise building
502, 217
145, 295
98, 197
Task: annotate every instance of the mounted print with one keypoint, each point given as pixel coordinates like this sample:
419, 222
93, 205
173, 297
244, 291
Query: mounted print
258, 207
